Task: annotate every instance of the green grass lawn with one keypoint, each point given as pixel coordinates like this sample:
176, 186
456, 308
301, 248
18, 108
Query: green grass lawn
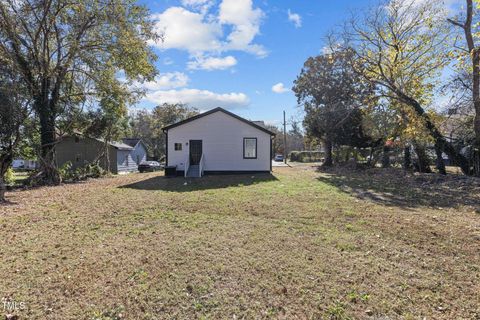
297, 244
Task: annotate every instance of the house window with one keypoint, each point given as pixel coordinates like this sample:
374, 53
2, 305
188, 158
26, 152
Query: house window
77, 139
178, 147
78, 157
126, 160
249, 148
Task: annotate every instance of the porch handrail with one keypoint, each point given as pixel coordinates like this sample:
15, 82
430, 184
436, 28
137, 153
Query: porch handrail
201, 164
186, 166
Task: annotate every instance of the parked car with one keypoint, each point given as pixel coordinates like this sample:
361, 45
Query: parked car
149, 166
278, 158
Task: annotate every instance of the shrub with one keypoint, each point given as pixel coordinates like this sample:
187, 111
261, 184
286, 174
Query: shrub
65, 171
9, 177
306, 156
91, 170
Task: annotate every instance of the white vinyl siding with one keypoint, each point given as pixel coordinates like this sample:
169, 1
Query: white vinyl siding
222, 143
139, 153
125, 162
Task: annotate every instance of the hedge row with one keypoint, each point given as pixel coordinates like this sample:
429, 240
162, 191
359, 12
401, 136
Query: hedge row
306, 156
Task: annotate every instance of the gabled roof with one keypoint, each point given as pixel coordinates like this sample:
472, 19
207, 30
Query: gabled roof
115, 144
201, 115
118, 145
132, 142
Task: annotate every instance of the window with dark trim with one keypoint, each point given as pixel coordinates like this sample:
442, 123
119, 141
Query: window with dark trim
178, 146
249, 148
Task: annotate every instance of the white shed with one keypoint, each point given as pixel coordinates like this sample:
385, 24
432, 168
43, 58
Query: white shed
218, 141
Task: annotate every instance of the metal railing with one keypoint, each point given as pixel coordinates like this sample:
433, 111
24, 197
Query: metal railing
200, 166
186, 166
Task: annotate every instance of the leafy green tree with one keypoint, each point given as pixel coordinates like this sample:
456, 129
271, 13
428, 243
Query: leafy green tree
277, 142
332, 95
295, 138
63, 50
14, 109
401, 49
148, 125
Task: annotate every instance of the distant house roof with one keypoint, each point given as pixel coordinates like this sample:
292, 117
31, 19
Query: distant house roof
132, 142
254, 124
260, 123
117, 145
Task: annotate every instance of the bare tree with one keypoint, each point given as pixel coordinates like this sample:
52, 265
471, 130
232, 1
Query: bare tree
473, 52
401, 49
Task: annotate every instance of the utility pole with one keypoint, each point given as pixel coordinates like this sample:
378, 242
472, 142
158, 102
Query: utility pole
284, 138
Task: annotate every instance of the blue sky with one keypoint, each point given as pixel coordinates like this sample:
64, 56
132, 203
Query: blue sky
234, 53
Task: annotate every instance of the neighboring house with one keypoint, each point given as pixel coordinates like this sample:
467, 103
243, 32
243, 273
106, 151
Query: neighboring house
139, 152
80, 151
218, 141
24, 164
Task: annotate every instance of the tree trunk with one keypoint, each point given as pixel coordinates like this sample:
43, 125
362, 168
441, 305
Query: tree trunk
476, 103
328, 154
440, 141
439, 162
423, 164
3, 189
5, 162
475, 55
476, 159
386, 157
407, 158
370, 157
49, 172
347, 154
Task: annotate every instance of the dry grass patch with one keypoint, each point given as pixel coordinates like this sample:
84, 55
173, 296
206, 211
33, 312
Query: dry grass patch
295, 244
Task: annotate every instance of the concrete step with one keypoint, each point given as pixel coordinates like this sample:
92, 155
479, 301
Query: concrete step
193, 171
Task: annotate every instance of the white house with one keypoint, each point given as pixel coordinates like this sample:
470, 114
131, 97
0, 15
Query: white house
218, 141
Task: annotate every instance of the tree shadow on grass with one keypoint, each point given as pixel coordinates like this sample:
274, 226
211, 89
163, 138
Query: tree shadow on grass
394, 187
180, 184
7, 203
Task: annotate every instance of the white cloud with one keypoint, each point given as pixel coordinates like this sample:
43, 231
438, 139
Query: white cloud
195, 3
295, 18
246, 25
212, 63
198, 5
202, 99
201, 33
187, 30
279, 88
165, 81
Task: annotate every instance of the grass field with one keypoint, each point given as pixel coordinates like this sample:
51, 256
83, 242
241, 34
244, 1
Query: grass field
297, 244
